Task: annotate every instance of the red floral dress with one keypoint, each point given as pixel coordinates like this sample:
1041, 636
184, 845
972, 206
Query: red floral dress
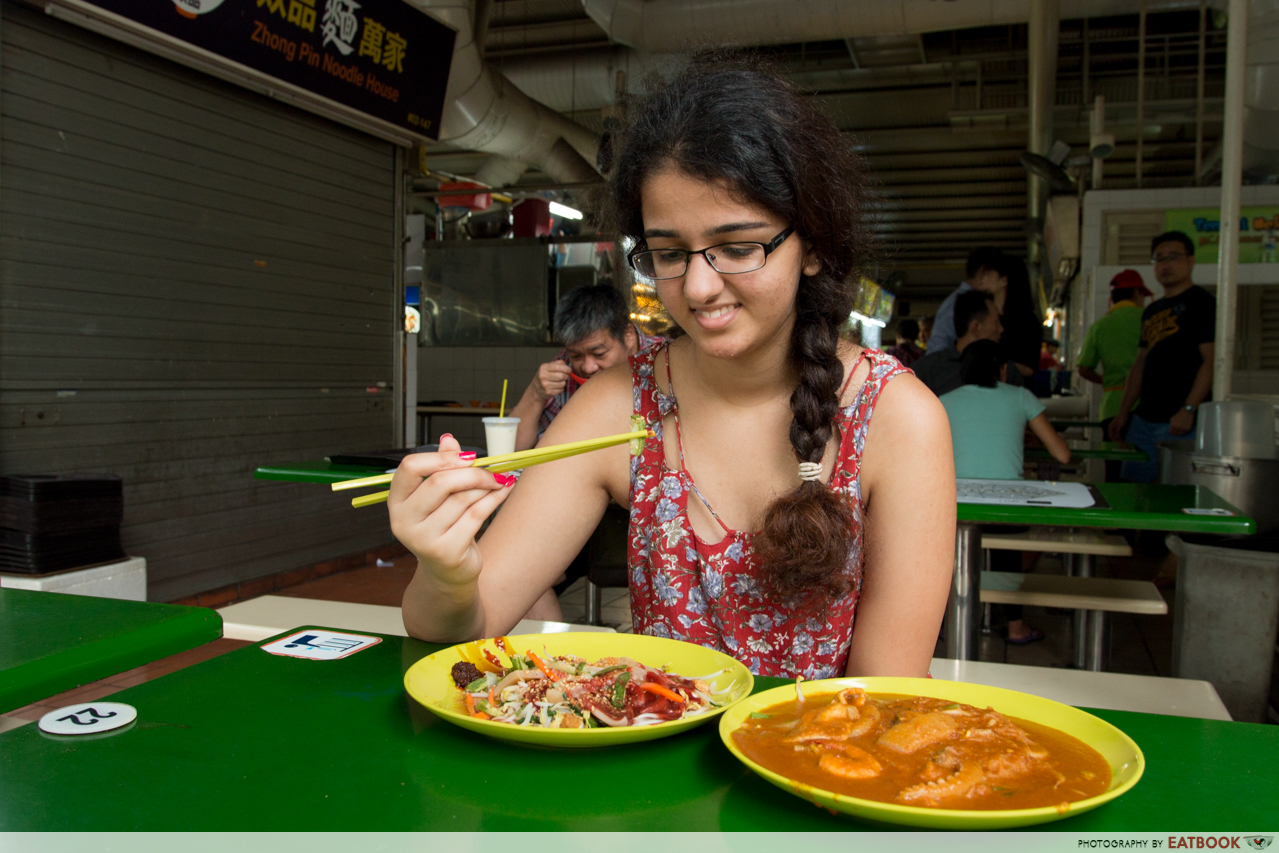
712, 594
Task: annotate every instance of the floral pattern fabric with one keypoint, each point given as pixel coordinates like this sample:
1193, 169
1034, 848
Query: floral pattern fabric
712, 594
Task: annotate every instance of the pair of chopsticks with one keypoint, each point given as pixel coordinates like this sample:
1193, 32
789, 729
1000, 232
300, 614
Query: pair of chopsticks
508, 461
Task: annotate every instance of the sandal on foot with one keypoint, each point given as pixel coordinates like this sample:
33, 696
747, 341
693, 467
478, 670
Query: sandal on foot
1034, 636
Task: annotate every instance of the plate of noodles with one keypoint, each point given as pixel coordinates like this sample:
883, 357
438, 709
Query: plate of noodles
578, 689
932, 754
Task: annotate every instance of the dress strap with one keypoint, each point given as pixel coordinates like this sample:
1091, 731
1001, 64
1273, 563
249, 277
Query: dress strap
848, 380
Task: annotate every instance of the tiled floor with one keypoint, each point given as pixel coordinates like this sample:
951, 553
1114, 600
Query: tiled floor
1142, 645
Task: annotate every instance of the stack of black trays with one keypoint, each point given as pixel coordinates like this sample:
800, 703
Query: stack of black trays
54, 522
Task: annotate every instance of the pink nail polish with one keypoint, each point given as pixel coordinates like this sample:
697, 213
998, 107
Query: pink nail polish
504, 480
466, 456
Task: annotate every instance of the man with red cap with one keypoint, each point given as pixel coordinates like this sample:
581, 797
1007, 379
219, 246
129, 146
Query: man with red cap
1112, 341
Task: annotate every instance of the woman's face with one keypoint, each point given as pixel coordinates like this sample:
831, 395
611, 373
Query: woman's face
725, 315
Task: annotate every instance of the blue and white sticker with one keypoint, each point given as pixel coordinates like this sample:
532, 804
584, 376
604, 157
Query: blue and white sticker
88, 718
317, 644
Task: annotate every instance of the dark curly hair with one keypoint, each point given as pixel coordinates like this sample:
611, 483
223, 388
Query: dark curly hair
732, 120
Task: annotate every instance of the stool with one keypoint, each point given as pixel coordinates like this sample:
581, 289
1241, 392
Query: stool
1077, 549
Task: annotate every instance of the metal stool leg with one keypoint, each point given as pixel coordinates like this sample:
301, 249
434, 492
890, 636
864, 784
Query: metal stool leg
963, 611
594, 603
1097, 641
1083, 566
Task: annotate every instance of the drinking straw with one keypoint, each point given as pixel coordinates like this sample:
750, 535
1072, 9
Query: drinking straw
502, 463
501, 409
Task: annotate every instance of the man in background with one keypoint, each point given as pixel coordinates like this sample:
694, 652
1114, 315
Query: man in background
1112, 342
976, 315
982, 272
1172, 373
593, 325
906, 351
925, 332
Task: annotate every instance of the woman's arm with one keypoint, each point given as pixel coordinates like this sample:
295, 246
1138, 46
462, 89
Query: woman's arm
1050, 437
464, 590
908, 485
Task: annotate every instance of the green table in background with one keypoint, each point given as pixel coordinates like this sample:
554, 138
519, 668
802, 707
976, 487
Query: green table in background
315, 471
253, 742
1111, 451
1132, 506
51, 642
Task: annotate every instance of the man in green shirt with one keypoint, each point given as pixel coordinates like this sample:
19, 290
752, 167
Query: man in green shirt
1113, 341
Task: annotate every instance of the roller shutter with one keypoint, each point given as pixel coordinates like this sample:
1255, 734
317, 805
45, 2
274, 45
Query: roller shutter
194, 281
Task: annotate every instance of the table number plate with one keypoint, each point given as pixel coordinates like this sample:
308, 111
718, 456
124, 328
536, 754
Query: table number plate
318, 644
88, 718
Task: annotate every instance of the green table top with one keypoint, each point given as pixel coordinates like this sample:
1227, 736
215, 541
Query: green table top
1133, 506
254, 742
315, 471
1113, 451
51, 642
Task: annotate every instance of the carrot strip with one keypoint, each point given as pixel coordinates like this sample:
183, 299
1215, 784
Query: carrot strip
552, 674
470, 705
492, 699
480, 715
662, 691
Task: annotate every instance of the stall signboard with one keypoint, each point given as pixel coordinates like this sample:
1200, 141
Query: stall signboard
383, 58
1258, 232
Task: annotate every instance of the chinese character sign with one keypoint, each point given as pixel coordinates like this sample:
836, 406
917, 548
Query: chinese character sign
1258, 233
381, 57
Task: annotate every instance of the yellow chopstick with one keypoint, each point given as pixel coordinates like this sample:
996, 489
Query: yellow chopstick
501, 463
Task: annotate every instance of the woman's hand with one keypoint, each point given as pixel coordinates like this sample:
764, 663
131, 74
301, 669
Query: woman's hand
438, 502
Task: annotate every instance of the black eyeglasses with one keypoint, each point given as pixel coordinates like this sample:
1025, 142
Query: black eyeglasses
728, 258
1168, 258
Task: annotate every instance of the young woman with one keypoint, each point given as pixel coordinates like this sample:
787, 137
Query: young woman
796, 481
988, 420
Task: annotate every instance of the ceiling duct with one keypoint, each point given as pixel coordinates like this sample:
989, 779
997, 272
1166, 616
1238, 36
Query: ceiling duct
1261, 93
485, 112
660, 26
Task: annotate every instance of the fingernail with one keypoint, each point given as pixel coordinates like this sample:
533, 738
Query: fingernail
446, 435
466, 455
504, 480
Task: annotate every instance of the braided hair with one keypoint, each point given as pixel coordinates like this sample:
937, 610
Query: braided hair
733, 120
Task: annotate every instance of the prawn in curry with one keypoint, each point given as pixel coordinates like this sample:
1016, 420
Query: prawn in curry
922, 751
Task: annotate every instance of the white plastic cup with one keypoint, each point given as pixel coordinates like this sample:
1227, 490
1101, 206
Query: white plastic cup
499, 435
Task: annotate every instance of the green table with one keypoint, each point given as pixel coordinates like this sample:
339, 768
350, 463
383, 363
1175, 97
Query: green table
315, 471
51, 642
1111, 451
253, 742
1132, 506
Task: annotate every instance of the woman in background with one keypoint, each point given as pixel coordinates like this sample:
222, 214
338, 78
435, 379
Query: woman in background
988, 420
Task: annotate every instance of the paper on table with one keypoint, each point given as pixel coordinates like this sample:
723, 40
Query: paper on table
1025, 493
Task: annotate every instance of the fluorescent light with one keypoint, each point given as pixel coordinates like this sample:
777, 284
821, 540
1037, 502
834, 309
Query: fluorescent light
641, 317
856, 315
565, 211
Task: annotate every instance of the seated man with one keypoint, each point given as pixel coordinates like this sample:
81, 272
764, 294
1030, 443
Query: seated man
592, 324
978, 320
906, 350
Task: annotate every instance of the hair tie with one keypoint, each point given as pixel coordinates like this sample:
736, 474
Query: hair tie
810, 471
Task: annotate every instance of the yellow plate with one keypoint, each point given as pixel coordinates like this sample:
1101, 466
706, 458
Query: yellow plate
1125, 758
429, 682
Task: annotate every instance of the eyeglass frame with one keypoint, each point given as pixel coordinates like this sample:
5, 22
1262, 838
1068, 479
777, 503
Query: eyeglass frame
1169, 259
768, 248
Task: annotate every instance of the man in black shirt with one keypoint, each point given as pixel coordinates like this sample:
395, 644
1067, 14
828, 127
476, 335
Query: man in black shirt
1173, 370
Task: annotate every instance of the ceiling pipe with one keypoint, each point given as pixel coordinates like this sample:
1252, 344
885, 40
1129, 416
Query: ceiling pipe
484, 112
1231, 177
660, 26
1261, 92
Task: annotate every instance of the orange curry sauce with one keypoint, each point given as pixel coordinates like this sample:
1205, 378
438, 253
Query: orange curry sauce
919, 751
